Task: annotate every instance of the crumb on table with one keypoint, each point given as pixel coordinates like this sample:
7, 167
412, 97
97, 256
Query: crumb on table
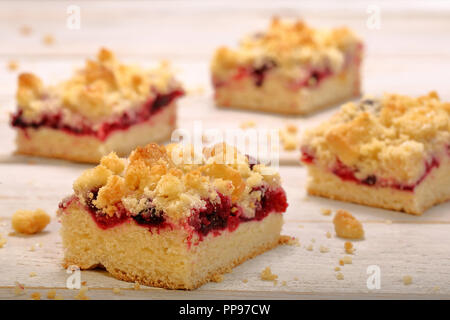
51, 294
407, 280
267, 275
25, 30
349, 247
29, 221
247, 124
116, 290
310, 247
36, 296
325, 212
324, 249
340, 276
347, 226
48, 39
82, 294
33, 274
13, 65
288, 240
2, 241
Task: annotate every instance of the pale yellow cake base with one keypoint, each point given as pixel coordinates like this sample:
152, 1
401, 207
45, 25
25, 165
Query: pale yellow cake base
434, 189
162, 259
51, 143
275, 96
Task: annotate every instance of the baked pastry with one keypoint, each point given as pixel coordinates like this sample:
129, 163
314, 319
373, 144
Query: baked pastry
392, 152
291, 68
158, 220
106, 106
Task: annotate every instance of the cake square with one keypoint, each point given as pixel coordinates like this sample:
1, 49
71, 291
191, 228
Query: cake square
391, 152
290, 68
162, 222
106, 106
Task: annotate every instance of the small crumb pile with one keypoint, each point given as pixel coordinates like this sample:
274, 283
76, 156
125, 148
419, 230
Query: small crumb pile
288, 137
30, 222
13, 65
2, 241
407, 280
267, 275
247, 124
348, 246
288, 240
347, 226
82, 294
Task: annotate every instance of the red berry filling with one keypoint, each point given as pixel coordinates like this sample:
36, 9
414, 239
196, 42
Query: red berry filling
348, 174
125, 121
225, 215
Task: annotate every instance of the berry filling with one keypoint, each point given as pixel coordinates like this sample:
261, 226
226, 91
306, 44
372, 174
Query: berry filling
125, 121
215, 217
347, 173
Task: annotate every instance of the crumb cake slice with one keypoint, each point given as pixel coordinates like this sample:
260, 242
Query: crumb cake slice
392, 152
291, 69
106, 106
156, 220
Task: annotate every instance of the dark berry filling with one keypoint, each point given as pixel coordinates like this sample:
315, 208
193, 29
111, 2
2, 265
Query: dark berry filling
125, 121
150, 217
260, 72
215, 217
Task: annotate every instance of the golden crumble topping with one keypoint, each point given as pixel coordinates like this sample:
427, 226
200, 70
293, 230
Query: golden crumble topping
288, 44
175, 179
347, 226
30, 222
393, 137
102, 88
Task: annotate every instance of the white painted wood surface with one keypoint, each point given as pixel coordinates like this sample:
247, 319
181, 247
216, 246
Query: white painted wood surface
409, 54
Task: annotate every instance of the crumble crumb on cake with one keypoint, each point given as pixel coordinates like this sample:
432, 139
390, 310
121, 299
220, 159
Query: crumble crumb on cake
391, 152
105, 106
289, 68
30, 221
170, 222
347, 226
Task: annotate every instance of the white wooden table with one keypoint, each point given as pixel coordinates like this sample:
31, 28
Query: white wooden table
409, 54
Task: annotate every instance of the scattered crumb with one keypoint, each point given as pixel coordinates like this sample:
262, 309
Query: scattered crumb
217, 278
51, 294
337, 268
407, 280
388, 221
328, 234
296, 278
324, 249
33, 274
349, 247
347, 226
310, 247
116, 290
83, 283
288, 138
36, 296
267, 275
19, 288
13, 65
82, 294
247, 124
244, 280
32, 248
25, 30
313, 240
341, 262
325, 212
48, 39
2, 241
30, 222
291, 128
347, 260
137, 286
275, 282
340, 276
284, 283
301, 226
288, 240
40, 244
